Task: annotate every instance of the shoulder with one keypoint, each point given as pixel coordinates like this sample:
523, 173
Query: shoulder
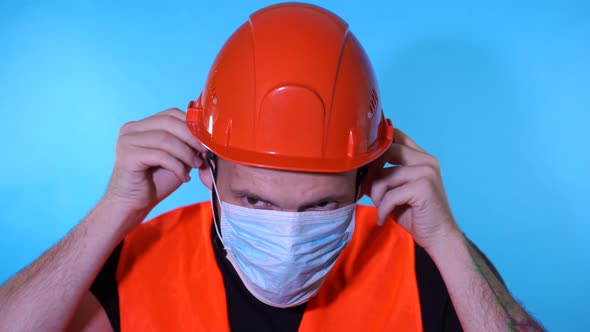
170, 221
176, 231
397, 247
388, 246
170, 218
390, 234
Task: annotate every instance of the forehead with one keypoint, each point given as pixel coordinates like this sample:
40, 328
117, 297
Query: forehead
242, 174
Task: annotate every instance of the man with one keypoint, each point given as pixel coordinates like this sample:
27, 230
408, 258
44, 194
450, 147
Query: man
288, 134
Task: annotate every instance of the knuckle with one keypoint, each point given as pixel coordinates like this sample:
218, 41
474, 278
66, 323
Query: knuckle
173, 111
123, 141
379, 196
168, 121
200, 148
164, 138
162, 158
125, 128
427, 185
378, 190
168, 118
433, 161
386, 196
431, 171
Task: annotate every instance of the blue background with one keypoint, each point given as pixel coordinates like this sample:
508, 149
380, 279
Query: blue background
500, 94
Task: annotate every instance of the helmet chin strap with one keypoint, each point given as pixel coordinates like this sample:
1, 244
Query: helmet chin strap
212, 162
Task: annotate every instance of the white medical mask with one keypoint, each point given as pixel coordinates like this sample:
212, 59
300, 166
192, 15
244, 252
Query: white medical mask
283, 257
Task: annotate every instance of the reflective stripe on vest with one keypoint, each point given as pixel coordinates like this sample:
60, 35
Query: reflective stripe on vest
168, 279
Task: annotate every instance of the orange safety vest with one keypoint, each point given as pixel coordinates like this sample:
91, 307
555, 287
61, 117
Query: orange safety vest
168, 279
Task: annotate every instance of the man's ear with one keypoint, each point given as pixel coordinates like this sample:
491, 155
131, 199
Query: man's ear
205, 174
367, 182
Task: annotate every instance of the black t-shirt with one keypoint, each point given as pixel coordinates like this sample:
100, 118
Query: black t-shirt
246, 313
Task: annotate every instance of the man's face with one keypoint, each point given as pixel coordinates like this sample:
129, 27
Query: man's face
263, 188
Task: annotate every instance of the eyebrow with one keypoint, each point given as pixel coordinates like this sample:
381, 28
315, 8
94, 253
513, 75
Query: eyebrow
248, 193
245, 192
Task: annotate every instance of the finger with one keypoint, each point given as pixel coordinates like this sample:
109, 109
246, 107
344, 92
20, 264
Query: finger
401, 138
169, 123
175, 112
398, 197
392, 177
163, 140
180, 129
160, 158
181, 115
399, 154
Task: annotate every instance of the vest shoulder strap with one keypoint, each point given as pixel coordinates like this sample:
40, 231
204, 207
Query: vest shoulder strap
167, 276
372, 286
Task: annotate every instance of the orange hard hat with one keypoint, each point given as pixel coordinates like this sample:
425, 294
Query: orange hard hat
292, 89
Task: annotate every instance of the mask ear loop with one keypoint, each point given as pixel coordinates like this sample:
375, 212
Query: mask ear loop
211, 160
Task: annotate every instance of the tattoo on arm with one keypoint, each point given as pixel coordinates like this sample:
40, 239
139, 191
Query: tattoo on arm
517, 319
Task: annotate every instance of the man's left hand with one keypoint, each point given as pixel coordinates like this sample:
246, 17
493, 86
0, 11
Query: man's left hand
412, 192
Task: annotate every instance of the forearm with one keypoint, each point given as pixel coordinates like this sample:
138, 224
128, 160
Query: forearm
480, 299
45, 295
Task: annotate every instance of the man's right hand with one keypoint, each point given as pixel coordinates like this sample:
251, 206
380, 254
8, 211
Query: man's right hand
154, 156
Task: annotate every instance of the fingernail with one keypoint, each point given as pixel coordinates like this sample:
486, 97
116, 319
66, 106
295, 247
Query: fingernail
197, 162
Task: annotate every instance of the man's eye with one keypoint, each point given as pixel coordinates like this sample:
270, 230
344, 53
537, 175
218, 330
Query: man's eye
251, 201
322, 204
